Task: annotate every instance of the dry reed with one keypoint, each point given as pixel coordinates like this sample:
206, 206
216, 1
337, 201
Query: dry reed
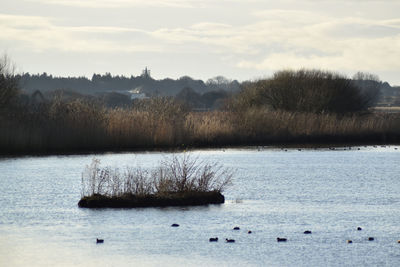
81, 126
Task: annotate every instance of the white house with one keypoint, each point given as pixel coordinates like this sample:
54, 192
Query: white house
136, 94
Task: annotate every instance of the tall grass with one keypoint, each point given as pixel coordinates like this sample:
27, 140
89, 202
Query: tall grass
177, 174
262, 125
80, 126
210, 128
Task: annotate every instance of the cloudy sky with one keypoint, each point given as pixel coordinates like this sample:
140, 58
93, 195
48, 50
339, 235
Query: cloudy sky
240, 39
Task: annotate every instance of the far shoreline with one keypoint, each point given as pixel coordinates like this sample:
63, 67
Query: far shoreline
200, 148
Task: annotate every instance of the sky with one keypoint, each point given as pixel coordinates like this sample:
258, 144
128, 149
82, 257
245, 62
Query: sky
238, 39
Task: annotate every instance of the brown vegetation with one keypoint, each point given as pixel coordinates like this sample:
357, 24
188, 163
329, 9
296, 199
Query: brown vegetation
159, 123
176, 174
177, 181
83, 127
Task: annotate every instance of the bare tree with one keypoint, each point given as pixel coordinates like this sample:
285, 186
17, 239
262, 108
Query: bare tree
8, 83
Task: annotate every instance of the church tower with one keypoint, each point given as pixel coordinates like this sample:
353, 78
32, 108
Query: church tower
146, 73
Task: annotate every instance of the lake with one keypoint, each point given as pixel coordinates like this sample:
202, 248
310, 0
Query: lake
275, 193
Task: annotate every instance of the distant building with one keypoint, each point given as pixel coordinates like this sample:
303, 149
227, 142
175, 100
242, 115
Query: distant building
146, 73
136, 94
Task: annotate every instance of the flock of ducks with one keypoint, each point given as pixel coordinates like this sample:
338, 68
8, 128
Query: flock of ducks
236, 228
334, 148
259, 148
349, 241
284, 239
228, 240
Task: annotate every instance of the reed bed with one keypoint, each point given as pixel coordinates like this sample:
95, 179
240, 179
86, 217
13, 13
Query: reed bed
210, 128
265, 126
80, 126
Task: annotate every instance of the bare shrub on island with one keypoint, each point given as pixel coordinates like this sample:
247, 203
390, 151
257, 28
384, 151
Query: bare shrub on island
183, 174
190, 174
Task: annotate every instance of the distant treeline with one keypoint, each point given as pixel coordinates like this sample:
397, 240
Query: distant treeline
114, 91
107, 83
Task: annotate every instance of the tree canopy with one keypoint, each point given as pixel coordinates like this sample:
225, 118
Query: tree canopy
313, 91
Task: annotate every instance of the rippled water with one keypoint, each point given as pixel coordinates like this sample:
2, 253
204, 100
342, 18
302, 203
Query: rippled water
276, 193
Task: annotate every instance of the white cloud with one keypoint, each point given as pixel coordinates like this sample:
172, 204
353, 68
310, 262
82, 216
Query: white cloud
273, 42
136, 3
376, 56
256, 35
326, 45
123, 3
41, 34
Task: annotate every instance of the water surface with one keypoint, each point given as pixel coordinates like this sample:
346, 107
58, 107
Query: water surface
274, 193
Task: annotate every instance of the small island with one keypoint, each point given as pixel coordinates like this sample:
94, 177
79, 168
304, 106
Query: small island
178, 181
168, 200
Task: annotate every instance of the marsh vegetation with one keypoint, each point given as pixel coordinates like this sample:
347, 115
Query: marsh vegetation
178, 180
292, 107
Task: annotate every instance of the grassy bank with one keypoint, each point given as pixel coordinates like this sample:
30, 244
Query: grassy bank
78, 127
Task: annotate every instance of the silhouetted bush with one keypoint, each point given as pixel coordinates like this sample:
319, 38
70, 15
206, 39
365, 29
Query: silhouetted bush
311, 91
370, 87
